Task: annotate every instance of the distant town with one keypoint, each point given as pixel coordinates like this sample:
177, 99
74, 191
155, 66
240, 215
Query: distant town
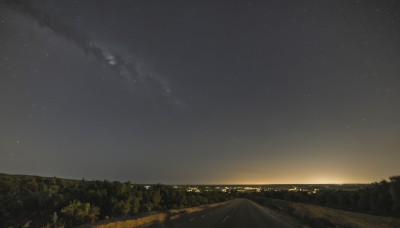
309, 188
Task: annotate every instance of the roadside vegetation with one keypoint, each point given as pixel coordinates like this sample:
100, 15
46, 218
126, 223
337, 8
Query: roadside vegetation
375, 205
380, 198
31, 201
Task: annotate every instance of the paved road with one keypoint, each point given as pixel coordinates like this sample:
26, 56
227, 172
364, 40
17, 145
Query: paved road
234, 214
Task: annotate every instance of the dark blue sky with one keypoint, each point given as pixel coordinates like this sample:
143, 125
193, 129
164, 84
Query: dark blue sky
201, 91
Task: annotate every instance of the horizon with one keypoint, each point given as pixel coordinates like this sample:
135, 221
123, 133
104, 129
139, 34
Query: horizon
199, 184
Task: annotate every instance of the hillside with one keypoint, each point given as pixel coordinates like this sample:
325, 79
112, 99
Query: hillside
49, 201
317, 216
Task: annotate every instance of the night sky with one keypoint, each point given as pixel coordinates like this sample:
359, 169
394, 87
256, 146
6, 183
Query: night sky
205, 92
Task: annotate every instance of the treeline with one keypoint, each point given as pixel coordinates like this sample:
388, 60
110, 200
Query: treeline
380, 198
53, 202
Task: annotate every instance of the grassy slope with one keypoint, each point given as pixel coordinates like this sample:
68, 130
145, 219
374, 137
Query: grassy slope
317, 216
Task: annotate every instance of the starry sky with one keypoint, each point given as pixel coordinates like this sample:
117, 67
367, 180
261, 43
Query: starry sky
188, 92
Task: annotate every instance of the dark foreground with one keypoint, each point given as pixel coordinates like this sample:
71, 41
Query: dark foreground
234, 214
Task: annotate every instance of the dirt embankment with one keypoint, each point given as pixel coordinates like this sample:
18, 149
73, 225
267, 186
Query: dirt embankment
152, 218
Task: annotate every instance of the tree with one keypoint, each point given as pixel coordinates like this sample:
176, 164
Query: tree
395, 193
80, 213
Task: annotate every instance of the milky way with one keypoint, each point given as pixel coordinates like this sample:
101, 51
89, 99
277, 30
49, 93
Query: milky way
126, 70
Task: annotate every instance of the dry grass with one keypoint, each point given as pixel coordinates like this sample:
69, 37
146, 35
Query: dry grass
153, 218
158, 217
317, 216
345, 218
174, 214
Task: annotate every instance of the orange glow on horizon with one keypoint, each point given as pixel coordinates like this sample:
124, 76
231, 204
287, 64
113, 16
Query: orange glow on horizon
293, 180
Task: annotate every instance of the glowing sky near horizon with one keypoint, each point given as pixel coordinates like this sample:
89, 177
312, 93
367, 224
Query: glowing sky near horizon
187, 92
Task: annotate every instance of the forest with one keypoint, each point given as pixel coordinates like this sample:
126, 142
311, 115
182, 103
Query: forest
31, 201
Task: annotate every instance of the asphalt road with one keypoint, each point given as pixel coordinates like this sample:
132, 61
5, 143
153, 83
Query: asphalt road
234, 214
